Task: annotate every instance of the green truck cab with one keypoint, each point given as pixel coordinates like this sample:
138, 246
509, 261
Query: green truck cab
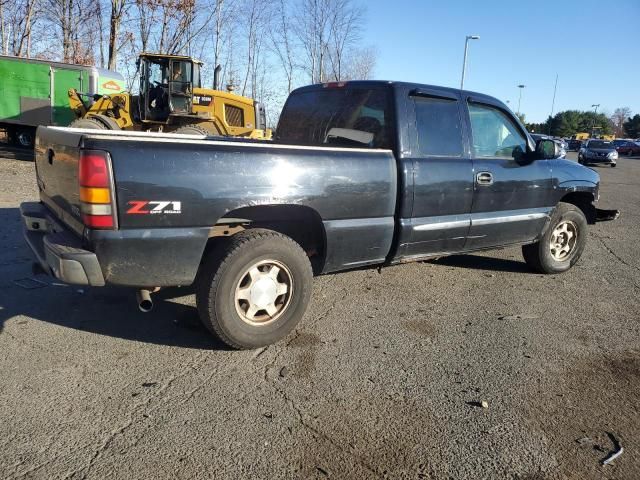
35, 92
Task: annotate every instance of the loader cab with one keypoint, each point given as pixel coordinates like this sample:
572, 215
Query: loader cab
166, 86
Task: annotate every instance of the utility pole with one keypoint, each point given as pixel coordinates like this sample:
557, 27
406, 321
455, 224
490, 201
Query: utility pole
464, 60
553, 103
593, 126
521, 87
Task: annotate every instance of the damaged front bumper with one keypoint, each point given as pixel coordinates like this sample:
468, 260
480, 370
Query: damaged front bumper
603, 215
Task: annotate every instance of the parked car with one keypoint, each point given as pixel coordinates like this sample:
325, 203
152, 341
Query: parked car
364, 173
598, 152
628, 148
574, 145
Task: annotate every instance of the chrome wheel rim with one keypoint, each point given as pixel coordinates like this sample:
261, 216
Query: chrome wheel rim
563, 240
264, 292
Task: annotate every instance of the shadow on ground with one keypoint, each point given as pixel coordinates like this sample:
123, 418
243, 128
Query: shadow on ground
106, 311
477, 262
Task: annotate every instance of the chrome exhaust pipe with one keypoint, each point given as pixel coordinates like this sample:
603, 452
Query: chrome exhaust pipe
145, 304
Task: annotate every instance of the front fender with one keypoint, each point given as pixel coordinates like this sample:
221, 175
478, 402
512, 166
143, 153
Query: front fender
569, 177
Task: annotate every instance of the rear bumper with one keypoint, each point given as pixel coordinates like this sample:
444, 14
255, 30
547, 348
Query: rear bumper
158, 257
57, 250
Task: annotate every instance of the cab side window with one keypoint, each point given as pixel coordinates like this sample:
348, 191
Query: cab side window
439, 127
495, 135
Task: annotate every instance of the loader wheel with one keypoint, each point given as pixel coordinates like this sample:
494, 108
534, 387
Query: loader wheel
88, 123
194, 130
562, 244
253, 290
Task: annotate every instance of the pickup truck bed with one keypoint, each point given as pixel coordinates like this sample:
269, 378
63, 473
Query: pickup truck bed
360, 173
352, 191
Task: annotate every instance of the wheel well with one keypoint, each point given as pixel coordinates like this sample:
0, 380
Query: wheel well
302, 224
584, 201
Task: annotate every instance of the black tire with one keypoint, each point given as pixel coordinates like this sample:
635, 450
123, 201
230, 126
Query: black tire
194, 130
24, 137
539, 256
88, 123
221, 277
613, 165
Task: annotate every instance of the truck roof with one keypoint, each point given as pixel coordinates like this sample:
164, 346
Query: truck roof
394, 84
71, 66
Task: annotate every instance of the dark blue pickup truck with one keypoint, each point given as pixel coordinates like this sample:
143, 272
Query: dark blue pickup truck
359, 174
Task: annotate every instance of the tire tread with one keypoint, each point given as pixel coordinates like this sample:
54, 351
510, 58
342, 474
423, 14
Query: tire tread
209, 278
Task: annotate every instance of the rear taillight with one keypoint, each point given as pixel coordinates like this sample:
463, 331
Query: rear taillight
96, 190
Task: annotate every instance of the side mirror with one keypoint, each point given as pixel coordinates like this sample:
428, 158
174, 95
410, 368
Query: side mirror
547, 149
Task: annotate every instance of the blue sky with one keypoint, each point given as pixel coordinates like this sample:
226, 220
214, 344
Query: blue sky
592, 45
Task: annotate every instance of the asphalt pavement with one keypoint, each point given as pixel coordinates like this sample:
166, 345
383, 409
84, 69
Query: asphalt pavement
466, 367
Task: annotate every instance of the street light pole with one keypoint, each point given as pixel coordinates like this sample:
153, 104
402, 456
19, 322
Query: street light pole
520, 97
464, 60
595, 111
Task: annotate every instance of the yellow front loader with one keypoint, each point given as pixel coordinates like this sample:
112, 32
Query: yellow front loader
171, 99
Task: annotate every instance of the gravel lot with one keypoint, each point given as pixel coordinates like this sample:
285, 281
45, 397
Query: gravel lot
383, 379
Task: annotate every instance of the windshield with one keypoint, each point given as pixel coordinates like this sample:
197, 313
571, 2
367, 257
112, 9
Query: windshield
348, 117
599, 144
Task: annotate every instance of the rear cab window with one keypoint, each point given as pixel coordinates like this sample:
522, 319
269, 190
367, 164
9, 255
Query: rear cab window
439, 126
356, 116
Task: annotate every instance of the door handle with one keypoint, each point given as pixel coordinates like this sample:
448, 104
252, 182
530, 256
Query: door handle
484, 178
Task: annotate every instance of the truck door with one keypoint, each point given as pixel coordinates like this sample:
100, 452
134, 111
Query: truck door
511, 196
442, 177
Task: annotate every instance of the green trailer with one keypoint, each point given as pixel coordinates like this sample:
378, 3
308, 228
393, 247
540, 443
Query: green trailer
34, 92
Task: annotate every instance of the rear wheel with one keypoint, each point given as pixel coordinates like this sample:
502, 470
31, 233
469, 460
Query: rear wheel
88, 123
196, 130
254, 290
562, 244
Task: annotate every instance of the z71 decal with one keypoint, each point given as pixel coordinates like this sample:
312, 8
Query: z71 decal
146, 207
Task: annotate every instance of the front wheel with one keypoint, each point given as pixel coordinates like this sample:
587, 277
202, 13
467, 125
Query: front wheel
254, 290
562, 244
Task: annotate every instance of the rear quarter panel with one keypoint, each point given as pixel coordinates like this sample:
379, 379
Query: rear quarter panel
352, 190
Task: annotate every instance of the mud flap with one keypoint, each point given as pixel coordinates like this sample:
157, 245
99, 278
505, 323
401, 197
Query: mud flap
606, 215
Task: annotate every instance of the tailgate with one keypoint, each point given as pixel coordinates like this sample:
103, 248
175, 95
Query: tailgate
57, 153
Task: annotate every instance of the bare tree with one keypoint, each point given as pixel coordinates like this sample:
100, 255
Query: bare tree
70, 23
345, 24
3, 34
312, 31
361, 63
327, 31
256, 22
282, 41
16, 26
117, 11
620, 115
